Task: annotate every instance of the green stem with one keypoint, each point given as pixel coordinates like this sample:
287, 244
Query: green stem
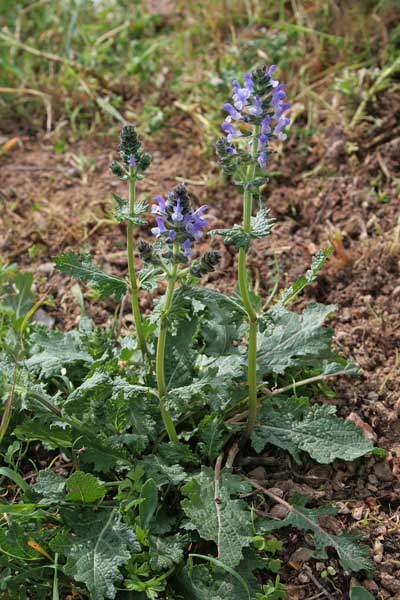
247, 303
160, 356
131, 268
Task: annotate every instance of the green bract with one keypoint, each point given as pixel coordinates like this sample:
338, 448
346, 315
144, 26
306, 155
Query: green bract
139, 428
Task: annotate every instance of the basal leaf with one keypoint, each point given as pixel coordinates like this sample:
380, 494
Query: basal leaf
225, 522
212, 434
294, 340
81, 268
50, 487
158, 469
14, 542
180, 400
149, 495
95, 550
314, 429
84, 487
353, 557
53, 351
18, 296
167, 550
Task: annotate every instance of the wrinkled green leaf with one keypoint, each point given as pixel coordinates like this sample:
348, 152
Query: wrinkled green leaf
294, 340
84, 487
81, 268
50, 487
226, 522
99, 546
352, 556
53, 351
261, 226
314, 429
166, 551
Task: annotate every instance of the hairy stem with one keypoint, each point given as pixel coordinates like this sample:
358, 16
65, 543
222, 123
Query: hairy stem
248, 305
160, 356
132, 274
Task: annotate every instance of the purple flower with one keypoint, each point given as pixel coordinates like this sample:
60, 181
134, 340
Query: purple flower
235, 114
256, 107
262, 141
278, 129
280, 109
278, 94
187, 248
157, 231
230, 130
274, 82
172, 234
132, 161
241, 94
177, 214
262, 159
265, 125
161, 206
248, 81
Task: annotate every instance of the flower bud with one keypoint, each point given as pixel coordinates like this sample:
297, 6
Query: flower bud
206, 264
116, 169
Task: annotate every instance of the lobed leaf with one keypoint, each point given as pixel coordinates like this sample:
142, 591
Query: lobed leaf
81, 268
294, 340
95, 550
225, 521
314, 429
352, 556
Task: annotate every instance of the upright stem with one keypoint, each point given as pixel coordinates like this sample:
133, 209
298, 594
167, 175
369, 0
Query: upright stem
248, 305
160, 355
131, 268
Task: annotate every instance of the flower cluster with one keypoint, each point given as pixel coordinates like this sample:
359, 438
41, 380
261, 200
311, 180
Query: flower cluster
131, 154
177, 221
256, 113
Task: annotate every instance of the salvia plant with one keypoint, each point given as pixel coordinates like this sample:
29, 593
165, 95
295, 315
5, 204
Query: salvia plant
140, 440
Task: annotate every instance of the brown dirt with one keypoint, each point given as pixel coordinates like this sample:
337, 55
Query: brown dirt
325, 196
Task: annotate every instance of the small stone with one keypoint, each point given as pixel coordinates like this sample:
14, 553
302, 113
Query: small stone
367, 429
303, 578
373, 479
258, 473
390, 582
42, 317
276, 491
382, 471
378, 558
47, 267
319, 566
371, 586
372, 396
301, 555
278, 511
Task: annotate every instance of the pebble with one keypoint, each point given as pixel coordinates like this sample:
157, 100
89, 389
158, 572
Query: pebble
382, 471
302, 554
373, 479
42, 317
259, 473
303, 578
47, 267
390, 582
278, 511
